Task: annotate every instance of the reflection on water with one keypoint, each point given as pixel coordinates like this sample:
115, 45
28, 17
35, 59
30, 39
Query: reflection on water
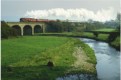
108, 60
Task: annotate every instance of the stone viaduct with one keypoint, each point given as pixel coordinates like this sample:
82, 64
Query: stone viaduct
28, 28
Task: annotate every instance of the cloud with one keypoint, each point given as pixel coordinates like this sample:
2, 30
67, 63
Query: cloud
79, 14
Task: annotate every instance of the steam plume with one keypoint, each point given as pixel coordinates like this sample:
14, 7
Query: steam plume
79, 14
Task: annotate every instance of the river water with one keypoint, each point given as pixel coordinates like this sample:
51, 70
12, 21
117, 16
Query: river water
108, 62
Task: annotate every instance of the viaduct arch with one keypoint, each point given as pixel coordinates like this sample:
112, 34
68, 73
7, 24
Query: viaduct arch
17, 28
37, 29
27, 28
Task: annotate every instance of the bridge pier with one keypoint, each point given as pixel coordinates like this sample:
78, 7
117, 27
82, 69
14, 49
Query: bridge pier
32, 30
113, 35
21, 31
95, 34
43, 28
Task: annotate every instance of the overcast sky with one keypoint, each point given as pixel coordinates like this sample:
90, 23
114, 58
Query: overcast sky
100, 10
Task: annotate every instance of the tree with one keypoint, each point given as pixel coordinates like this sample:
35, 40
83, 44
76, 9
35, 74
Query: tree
118, 17
6, 31
54, 26
118, 21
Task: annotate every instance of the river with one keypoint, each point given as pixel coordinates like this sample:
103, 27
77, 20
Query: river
108, 62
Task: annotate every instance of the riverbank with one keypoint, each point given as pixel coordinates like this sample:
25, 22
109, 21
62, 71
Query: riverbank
108, 60
104, 37
101, 37
26, 58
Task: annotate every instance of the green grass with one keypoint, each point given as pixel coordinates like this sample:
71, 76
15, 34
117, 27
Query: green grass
28, 57
116, 43
59, 34
106, 30
87, 34
27, 45
103, 37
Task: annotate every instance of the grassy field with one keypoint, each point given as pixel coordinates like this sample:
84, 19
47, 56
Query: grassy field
106, 30
25, 58
59, 34
27, 45
101, 37
87, 34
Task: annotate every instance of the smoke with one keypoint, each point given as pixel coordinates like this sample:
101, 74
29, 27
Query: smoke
79, 14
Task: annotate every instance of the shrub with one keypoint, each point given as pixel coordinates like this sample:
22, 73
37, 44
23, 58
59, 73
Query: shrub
6, 31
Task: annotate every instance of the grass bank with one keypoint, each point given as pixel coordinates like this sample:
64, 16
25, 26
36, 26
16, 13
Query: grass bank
101, 37
116, 43
26, 58
104, 37
106, 30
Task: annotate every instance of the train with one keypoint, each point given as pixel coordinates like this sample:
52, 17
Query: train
35, 20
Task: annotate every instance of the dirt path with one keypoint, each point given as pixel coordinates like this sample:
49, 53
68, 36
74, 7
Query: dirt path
82, 60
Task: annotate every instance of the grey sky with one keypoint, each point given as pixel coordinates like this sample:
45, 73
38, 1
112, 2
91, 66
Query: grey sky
12, 10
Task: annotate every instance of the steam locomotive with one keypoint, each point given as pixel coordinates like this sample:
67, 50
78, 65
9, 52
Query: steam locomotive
35, 20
